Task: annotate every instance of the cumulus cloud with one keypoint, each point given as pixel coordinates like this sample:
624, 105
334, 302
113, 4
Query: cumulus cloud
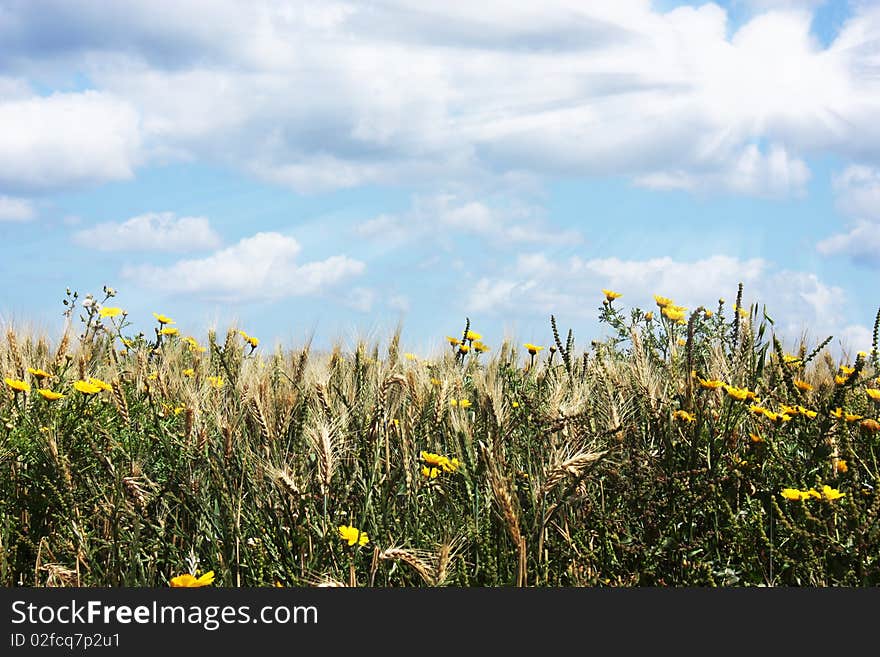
16, 209
323, 95
861, 243
154, 231
66, 139
538, 285
261, 267
857, 189
436, 217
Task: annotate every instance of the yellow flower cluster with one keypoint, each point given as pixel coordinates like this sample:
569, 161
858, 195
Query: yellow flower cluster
434, 464
828, 493
352, 535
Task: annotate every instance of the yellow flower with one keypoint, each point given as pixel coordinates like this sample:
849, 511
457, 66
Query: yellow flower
18, 386
793, 494
40, 374
473, 336
352, 535
190, 372
847, 370
837, 412
193, 344
51, 395
739, 393
831, 494
684, 415
435, 381
662, 301
430, 473
251, 340
840, 380
463, 348
710, 384
674, 315
873, 393
515, 404
852, 417
709, 313
532, 348
188, 581
216, 381
790, 359
806, 411
109, 311
162, 319
171, 330
101, 384
86, 388
431, 458
788, 410
758, 410
682, 342
841, 466
756, 438
453, 341
610, 295
409, 356
479, 347
649, 316
802, 385
152, 376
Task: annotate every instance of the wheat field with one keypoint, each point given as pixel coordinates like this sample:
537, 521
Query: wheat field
687, 447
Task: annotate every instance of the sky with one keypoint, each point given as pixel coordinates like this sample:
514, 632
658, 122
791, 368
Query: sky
334, 170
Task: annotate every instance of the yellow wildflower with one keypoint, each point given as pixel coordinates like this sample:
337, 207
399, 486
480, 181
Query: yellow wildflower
463, 348
837, 412
471, 335
841, 466
18, 386
611, 295
739, 393
847, 370
171, 330
756, 438
101, 384
710, 384
352, 535
831, 494
38, 373
802, 385
188, 581
51, 395
453, 341
806, 411
251, 340
873, 393
435, 381
86, 388
793, 494
674, 315
152, 376
162, 319
109, 311
840, 380
662, 301
532, 348
851, 417
189, 372
684, 415
216, 381
479, 347
790, 359
430, 473
410, 356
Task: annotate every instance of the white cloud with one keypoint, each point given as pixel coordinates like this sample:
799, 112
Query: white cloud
261, 267
361, 299
858, 192
537, 286
330, 94
154, 231
436, 217
67, 139
16, 209
861, 244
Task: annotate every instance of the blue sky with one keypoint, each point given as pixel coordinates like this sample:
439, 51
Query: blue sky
334, 168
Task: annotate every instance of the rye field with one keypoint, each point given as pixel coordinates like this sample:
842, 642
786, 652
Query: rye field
686, 447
